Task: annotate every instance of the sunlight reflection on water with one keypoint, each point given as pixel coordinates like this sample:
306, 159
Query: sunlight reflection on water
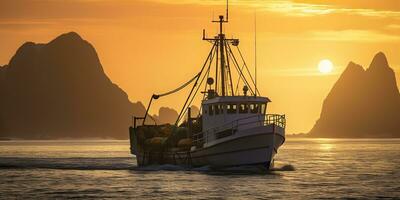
305, 168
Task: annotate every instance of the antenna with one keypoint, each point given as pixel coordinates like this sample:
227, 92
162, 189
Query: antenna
227, 10
255, 51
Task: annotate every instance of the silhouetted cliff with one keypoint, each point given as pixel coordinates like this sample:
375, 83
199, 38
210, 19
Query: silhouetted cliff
167, 115
362, 103
58, 90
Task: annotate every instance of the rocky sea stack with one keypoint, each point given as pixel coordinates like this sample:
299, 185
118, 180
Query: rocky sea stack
362, 103
59, 90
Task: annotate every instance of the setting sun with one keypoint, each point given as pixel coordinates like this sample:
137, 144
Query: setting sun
325, 66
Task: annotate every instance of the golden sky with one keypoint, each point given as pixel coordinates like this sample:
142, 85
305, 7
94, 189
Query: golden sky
152, 46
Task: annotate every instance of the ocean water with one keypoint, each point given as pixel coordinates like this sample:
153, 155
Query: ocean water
304, 169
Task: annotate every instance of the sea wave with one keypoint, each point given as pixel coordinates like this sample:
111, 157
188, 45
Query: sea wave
67, 163
166, 167
286, 167
123, 163
242, 170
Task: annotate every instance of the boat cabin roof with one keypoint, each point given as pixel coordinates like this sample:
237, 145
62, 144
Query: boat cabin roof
233, 99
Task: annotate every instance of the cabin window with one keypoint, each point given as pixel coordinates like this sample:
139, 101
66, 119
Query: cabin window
218, 109
231, 108
263, 106
222, 108
243, 108
210, 110
254, 108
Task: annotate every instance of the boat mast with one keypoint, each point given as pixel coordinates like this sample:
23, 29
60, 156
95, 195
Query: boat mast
221, 43
223, 55
222, 50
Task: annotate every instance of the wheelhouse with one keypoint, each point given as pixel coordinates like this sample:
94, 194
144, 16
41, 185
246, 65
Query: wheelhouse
221, 110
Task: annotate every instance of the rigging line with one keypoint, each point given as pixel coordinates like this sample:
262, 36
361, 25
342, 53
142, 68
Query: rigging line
216, 68
195, 84
191, 100
237, 85
179, 88
156, 96
151, 117
205, 87
201, 82
247, 68
239, 79
238, 68
206, 74
205, 91
147, 110
229, 69
236, 64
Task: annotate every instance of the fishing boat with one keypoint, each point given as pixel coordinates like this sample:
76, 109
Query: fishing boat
232, 128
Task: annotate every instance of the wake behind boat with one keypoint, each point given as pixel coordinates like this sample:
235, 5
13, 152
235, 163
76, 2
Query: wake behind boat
232, 129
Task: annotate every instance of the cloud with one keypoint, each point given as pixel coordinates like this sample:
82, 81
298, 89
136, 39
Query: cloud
307, 9
284, 18
23, 24
392, 5
292, 71
393, 26
370, 12
353, 36
291, 8
112, 8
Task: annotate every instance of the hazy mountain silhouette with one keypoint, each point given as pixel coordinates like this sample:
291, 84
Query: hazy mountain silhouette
362, 103
166, 116
58, 90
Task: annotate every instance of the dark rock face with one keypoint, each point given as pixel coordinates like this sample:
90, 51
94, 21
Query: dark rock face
59, 90
362, 103
167, 116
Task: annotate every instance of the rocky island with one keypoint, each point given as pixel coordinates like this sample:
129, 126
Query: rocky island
362, 103
60, 90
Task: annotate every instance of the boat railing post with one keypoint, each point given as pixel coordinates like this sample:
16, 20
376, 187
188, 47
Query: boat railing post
189, 121
273, 128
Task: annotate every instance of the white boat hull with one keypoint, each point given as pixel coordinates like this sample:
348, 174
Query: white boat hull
247, 146
255, 146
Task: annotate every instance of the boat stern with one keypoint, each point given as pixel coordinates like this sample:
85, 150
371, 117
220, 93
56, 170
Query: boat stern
133, 141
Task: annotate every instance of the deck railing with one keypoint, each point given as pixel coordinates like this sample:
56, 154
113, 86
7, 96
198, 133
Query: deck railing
278, 120
231, 127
